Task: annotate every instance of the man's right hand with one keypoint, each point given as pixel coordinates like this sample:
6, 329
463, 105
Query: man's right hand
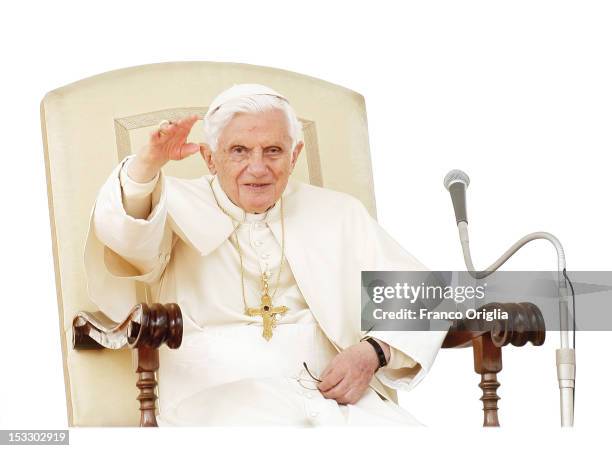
163, 147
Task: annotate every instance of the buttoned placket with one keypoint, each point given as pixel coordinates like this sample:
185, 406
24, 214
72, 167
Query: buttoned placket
311, 403
263, 244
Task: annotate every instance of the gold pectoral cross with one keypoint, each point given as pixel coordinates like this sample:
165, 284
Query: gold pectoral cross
267, 311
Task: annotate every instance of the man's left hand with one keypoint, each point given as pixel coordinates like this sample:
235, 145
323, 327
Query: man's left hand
348, 375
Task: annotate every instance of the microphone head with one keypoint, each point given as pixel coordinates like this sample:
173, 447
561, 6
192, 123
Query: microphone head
456, 176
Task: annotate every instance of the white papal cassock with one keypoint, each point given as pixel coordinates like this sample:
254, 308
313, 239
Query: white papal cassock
179, 242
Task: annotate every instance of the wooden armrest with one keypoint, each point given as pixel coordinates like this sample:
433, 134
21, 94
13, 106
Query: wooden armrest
524, 324
148, 325
146, 328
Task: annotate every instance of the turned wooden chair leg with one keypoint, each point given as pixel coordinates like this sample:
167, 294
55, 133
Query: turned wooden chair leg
148, 364
487, 363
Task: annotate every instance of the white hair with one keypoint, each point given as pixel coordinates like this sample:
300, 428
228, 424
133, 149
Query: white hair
219, 116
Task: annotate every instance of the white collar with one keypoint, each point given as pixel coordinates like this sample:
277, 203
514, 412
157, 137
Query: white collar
237, 213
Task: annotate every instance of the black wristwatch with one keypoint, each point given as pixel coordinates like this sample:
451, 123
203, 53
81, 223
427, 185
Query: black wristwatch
382, 360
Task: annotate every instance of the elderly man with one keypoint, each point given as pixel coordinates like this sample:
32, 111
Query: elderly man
266, 271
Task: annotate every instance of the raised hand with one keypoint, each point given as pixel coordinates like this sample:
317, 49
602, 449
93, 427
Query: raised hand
168, 142
165, 143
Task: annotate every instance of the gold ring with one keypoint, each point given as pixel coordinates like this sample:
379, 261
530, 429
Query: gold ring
162, 123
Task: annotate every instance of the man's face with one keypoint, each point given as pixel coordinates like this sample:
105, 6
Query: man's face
254, 159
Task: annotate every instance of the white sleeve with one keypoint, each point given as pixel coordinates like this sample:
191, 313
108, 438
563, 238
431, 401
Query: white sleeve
136, 196
137, 240
122, 252
401, 369
413, 351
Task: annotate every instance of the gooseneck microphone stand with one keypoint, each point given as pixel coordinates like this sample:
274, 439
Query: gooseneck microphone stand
456, 182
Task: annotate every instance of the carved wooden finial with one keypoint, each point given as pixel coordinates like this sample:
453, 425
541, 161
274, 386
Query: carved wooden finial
487, 363
148, 364
489, 386
524, 324
146, 328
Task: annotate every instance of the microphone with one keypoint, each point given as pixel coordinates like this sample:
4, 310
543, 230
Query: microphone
456, 182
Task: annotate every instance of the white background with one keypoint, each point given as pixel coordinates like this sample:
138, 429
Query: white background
518, 94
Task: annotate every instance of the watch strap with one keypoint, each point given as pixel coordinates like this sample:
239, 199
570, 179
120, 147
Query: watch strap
382, 360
